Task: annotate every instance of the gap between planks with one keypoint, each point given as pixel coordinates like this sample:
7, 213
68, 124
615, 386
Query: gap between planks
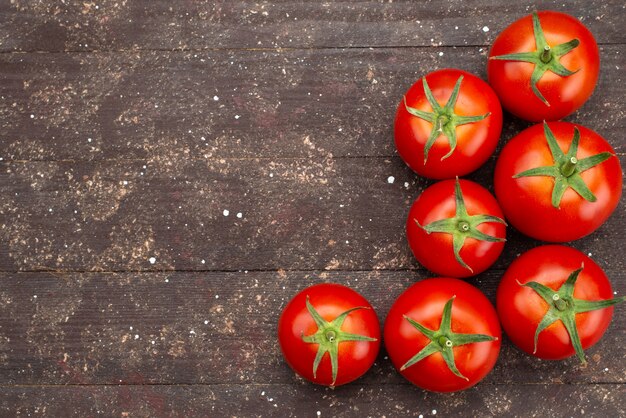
52, 271
217, 158
276, 49
258, 384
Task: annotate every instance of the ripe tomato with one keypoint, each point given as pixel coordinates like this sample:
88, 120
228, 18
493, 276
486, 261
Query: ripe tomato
555, 301
544, 66
456, 228
443, 335
333, 319
558, 182
448, 124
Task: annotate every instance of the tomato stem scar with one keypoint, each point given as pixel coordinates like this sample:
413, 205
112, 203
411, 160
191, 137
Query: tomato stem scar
462, 226
328, 337
545, 58
443, 340
443, 118
546, 55
566, 168
563, 306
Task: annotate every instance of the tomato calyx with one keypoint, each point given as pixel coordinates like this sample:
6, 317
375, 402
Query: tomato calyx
443, 340
462, 226
563, 306
545, 58
443, 119
328, 337
566, 168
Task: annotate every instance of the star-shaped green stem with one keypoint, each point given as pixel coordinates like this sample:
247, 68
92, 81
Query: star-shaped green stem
443, 119
563, 306
443, 340
545, 57
566, 168
328, 336
462, 226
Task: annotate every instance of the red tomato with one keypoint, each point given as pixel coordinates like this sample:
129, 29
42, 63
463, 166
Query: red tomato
456, 228
448, 124
570, 296
558, 200
329, 334
443, 335
544, 67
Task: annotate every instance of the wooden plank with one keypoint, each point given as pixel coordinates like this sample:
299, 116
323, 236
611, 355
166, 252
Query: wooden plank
288, 104
77, 25
305, 400
207, 328
294, 214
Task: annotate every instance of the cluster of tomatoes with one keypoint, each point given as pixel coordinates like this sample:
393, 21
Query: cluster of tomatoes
555, 181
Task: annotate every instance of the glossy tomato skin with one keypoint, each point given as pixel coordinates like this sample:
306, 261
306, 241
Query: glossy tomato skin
526, 201
472, 313
511, 79
330, 300
521, 309
476, 141
435, 251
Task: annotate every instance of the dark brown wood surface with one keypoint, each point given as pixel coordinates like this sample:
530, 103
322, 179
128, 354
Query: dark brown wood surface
80, 25
127, 128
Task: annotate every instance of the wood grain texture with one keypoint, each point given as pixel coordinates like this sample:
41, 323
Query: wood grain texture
77, 25
208, 328
173, 172
295, 214
238, 104
297, 400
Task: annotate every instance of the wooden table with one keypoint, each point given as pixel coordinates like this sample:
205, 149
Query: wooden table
173, 172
